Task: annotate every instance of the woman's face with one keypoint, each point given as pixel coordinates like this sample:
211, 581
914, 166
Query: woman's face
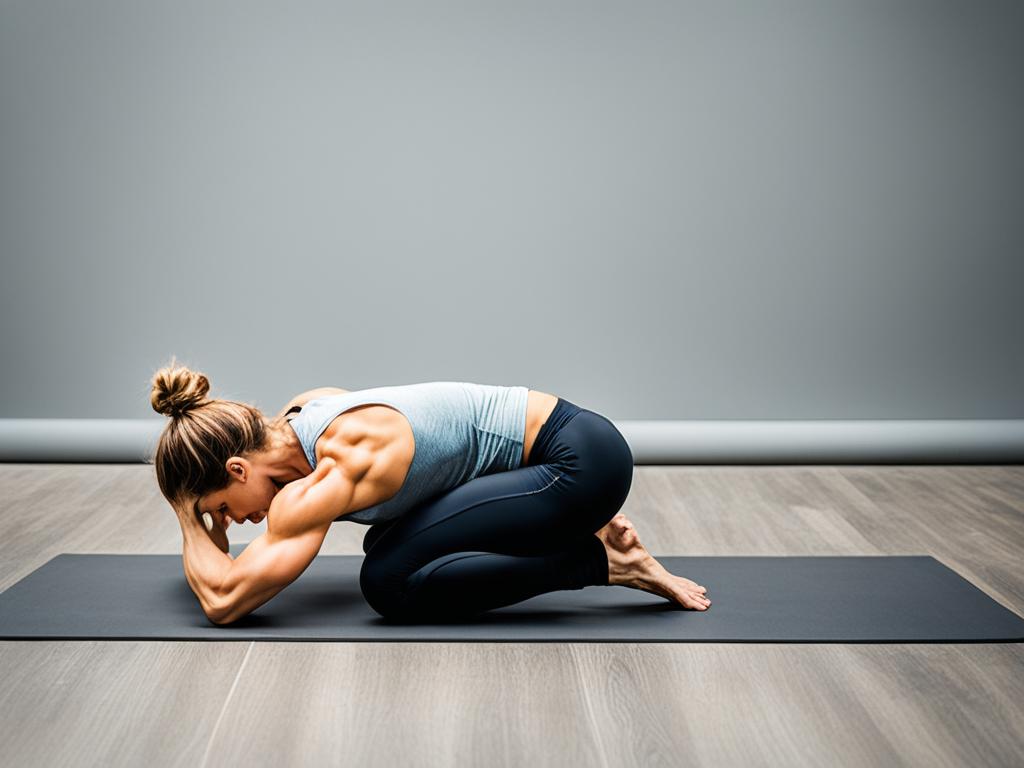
246, 497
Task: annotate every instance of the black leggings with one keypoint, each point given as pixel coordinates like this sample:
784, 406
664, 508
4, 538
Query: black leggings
505, 537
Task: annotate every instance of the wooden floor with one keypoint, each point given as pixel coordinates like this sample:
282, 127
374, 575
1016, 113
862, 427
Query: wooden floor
576, 704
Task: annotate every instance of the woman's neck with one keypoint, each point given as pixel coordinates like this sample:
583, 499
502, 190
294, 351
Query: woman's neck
284, 455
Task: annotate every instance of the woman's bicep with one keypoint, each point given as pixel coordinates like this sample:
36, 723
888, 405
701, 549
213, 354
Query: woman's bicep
331, 495
316, 500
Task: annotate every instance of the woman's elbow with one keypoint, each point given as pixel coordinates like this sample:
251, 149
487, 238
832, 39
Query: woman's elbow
218, 613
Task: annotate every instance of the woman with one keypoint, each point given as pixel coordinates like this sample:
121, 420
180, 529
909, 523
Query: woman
478, 496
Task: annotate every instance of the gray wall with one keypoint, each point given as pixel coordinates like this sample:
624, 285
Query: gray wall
659, 210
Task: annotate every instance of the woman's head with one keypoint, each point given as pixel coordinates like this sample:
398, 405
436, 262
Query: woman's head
207, 452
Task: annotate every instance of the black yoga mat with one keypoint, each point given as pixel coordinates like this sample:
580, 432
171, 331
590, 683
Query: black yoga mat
869, 599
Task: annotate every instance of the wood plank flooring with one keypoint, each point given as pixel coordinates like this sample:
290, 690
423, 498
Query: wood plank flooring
575, 704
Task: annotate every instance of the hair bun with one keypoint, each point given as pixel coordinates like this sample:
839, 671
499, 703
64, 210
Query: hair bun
177, 389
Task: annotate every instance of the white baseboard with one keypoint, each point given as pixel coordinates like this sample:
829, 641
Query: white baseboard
924, 441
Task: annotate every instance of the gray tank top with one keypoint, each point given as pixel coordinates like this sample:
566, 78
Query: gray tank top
461, 431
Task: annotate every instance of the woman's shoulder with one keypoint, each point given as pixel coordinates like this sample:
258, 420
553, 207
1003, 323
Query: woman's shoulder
311, 394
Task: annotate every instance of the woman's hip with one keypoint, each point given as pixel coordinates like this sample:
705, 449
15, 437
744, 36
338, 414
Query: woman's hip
587, 450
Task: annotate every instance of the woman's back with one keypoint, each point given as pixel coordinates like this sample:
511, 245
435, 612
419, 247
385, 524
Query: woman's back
460, 430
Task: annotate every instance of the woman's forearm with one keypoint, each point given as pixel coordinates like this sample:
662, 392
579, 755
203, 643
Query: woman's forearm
205, 563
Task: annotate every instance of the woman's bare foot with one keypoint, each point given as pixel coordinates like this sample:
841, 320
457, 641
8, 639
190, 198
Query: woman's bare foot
631, 565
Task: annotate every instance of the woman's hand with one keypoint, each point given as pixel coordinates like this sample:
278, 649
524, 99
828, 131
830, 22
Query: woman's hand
218, 531
215, 528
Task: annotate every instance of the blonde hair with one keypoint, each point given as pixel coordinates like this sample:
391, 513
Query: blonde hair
203, 433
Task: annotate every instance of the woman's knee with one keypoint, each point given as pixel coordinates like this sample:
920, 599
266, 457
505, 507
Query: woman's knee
381, 587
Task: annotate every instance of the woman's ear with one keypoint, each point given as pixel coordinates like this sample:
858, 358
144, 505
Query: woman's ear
237, 466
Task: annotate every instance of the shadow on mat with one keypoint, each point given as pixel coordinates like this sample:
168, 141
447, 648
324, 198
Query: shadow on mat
306, 607
509, 616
